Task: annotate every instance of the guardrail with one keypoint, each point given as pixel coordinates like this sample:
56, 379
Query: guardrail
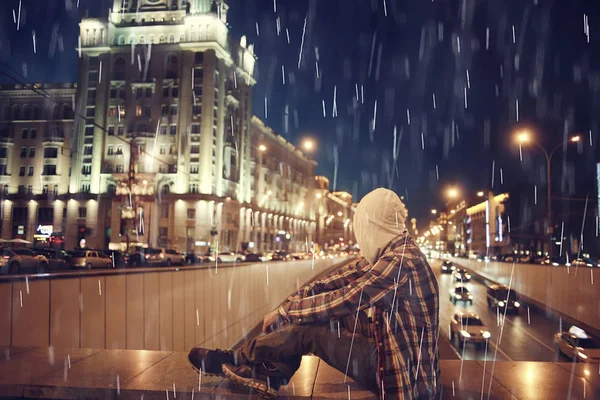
149, 308
571, 293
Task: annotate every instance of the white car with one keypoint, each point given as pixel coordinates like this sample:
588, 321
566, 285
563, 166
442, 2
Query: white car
577, 345
468, 327
228, 257
460, 293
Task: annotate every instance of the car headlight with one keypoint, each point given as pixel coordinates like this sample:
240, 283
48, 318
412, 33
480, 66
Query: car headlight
581, 355
470, 296
458, 296
468, 276
465, 334
517, 304
444, 268
486, 334
501, 304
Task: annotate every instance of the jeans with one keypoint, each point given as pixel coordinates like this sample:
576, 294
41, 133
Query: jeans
332, 342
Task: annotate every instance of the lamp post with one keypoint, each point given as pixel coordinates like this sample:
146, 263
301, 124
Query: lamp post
524, 138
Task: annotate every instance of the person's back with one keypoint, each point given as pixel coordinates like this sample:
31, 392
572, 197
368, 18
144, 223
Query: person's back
409, 312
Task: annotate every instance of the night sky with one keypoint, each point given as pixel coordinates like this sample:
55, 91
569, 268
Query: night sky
411, 63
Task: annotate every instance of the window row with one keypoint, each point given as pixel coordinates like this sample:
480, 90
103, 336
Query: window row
36, 112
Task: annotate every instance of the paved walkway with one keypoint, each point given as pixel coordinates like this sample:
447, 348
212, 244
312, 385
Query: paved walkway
41, 373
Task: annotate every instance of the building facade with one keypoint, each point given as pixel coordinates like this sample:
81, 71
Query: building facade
36, 125
156, 144
486, 229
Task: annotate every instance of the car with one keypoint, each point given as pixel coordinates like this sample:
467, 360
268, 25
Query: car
227, 257
173, 257
254, 257
461, 275
196, 258
460, 293
468, 328
577, 345
499, 296
154, 256
134, 260
90, 259
584, 262
448, 267
280, 256
57, 261
15, 261
557, 261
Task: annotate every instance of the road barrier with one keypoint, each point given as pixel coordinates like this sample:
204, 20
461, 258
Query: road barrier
147, 309
571, 293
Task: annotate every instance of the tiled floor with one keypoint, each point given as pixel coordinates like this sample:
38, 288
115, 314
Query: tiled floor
131, 374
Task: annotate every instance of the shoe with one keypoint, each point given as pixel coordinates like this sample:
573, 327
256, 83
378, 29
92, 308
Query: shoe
210, 362
264, 382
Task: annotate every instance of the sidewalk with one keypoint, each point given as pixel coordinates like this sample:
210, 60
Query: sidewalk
36, 373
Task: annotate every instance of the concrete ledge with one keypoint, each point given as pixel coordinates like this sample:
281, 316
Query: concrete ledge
45, 373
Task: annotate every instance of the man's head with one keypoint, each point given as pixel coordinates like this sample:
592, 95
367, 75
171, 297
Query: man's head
380, 217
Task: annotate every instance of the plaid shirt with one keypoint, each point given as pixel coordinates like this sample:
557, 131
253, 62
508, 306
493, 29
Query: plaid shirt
404, 292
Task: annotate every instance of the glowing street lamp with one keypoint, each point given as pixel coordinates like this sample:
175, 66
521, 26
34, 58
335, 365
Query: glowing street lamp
308, 144
480, 194
434, 212
453, 193
262, 147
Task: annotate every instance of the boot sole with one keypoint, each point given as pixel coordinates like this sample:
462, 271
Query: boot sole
259, 387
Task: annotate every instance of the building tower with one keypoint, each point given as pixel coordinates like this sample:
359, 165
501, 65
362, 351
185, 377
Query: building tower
166, 94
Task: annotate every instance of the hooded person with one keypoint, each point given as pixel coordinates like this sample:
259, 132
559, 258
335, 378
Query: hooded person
396, 356
380, 218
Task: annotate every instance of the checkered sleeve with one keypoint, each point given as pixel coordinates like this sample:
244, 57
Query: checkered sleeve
372, 286
337, 279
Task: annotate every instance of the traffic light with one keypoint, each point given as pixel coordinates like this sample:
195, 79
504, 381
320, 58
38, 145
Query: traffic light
84, 231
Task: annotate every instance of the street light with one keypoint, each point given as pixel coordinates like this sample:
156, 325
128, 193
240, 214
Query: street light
308, 144
434, 212
262, 147
524, 137
453, 192
480, 194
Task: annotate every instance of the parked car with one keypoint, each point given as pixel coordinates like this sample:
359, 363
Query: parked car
154, 256
90, 259
280, 256
557, 261
57, 259
577, 345
173, 257
16, 261
584, 262
196, 258
498, 296
468, 328
254, 257
228, 256
134, 260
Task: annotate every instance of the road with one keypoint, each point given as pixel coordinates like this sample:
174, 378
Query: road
527, 336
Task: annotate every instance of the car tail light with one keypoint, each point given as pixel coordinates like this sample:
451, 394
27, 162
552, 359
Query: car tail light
147, 255
6, 257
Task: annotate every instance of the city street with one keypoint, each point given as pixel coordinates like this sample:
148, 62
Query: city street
526, 337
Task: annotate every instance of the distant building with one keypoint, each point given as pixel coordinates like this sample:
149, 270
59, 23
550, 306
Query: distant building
36, 127
486, 222
282, 192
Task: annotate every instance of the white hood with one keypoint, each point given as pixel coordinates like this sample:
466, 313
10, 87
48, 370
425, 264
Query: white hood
380, 217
